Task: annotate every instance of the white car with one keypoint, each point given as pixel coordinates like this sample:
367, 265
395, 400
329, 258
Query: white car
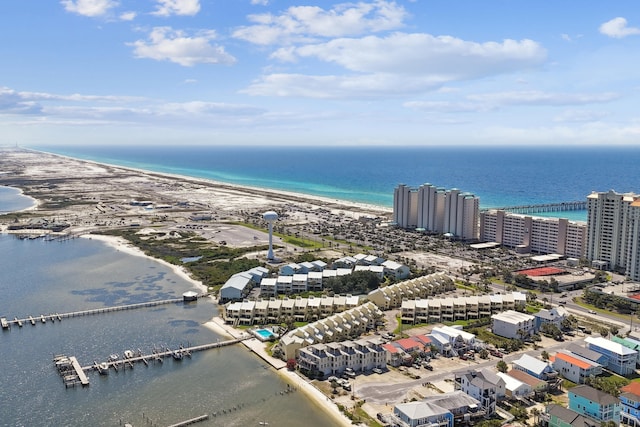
377, 370
592, 312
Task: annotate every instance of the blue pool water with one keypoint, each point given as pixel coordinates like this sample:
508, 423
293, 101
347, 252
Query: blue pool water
265, 333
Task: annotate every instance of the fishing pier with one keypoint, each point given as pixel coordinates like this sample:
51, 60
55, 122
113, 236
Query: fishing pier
186, 298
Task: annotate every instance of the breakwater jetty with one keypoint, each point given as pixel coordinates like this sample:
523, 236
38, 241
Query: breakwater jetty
546, 207
7, 324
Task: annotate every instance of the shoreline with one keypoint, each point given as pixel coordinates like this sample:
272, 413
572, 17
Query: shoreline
122, 245
262, 191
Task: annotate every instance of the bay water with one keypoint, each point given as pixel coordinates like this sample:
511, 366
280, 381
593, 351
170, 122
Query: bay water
40, 277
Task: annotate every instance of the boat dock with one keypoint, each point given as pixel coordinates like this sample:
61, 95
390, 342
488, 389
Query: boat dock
59, 316
73, 373
70, 371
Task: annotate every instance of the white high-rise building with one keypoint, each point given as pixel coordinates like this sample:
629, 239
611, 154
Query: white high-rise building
437, 210
613, 231
536, 234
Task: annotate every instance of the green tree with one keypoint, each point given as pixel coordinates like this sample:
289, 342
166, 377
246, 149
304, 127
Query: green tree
544, 355
502, 366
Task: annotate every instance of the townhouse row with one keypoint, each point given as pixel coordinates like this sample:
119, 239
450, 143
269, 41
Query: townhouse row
275, 310
349, 324
336, 357
459, 308
391, 296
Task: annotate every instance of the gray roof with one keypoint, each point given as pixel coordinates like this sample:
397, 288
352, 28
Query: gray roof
419, 410
584, 352
452, 400
594, 395
532, 364
571, 417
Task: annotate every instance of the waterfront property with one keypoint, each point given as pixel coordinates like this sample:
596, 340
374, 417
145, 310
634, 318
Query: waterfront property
613, 232
433, 209
334, 358
594, 404
276, 310
533, 234
415, 414
338, 327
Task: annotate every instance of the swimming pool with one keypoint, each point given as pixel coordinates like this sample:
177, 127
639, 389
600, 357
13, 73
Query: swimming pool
264, 334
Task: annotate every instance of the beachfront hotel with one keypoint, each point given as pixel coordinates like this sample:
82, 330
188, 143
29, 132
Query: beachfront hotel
533, 234
613, 232
437, 210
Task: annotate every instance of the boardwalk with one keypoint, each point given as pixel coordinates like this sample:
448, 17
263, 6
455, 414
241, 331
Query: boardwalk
60, 316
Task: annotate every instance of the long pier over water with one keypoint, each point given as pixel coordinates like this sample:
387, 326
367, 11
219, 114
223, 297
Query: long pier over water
6, 323
546, 207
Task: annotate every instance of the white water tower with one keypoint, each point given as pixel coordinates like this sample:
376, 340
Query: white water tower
270, 217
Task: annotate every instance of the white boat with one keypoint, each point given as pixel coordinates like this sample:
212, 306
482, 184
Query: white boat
177, 354
128, 354
114, 357
104, 368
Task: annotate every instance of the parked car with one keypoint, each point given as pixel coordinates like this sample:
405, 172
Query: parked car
377, 370
428, 366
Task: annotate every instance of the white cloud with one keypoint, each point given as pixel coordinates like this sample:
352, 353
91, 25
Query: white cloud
445, 106
90, 8
397, 65
177, 7
577, 116
128, 16
443, 58
166, 44
300, 23
333, 87
543, 98
617, 28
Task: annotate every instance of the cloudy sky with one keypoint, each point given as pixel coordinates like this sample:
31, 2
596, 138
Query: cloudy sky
415, 72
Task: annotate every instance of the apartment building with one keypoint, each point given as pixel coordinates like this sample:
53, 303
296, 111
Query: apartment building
437, 310
437, 210
533, 234
335, 358
391, 296
613, 232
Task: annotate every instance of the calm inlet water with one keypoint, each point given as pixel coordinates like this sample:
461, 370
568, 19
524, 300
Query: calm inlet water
38, 277
12, 199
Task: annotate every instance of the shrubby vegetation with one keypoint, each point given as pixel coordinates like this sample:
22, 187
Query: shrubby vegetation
359, 282
216, 264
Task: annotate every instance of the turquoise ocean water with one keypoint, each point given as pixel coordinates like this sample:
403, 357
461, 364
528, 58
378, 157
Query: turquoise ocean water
500, 176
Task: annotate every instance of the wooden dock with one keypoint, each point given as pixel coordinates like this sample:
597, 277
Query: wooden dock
6, 324
156, 355
191, 421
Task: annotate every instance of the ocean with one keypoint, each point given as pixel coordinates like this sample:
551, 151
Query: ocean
40, 277
499, 176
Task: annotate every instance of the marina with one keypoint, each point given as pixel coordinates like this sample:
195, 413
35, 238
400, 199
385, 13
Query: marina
73, 373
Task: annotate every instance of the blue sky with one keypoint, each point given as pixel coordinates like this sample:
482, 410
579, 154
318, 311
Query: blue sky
421, 72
